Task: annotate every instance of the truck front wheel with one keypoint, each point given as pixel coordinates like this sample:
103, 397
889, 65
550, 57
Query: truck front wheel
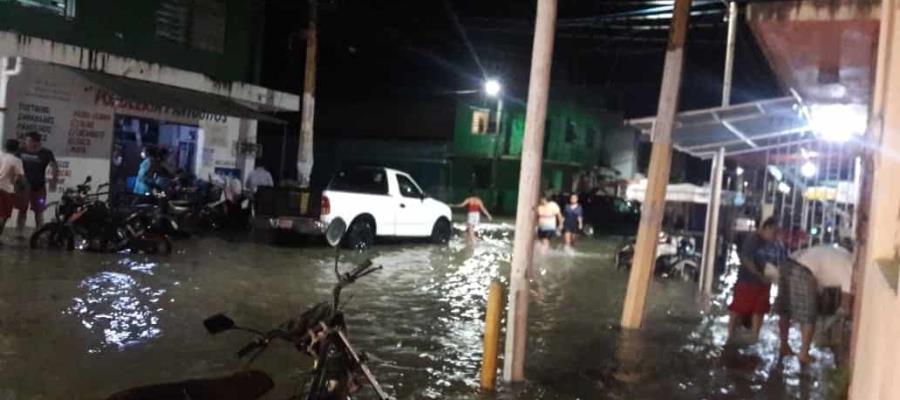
441, 231
361, 234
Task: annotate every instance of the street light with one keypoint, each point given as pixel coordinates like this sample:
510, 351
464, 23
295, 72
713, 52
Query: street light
492, 87
838, 122
809, 169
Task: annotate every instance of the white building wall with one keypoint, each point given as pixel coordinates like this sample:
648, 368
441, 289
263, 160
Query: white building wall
76, 117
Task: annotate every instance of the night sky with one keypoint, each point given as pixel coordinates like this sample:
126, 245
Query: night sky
408, 48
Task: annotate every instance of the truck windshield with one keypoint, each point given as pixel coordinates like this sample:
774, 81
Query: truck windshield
360, 180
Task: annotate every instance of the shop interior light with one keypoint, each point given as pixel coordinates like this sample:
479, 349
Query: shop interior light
784, 188
809, 169
775, 172
838, 122
739, 171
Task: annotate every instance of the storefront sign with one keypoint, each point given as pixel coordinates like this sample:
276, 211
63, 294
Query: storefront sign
76, 120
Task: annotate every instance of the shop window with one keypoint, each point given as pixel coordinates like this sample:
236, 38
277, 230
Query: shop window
196, 23
480, 121
571, 133
64, 8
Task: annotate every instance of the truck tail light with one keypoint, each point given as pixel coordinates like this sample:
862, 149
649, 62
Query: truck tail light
326, 205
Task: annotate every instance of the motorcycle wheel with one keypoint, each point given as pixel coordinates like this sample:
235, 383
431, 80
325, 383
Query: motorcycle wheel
686, 270
331, 380
53, 236
152, 244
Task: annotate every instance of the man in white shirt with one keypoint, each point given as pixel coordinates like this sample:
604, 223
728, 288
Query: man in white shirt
803, 277
11, 173
259, 177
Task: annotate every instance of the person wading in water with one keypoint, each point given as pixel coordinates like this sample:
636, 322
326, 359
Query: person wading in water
474, 207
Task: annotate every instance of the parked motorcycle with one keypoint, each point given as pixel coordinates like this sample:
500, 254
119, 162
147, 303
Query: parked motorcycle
82, 215
320, 332
676, 257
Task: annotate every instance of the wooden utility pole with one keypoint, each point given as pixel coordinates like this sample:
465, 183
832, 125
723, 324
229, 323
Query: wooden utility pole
660, 163
729, 53
529, 187
308, 113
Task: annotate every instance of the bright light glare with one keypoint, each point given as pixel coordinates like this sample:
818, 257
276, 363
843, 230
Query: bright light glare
739, 171
784, 188
775, 172
492, 87
809, 169
838, 122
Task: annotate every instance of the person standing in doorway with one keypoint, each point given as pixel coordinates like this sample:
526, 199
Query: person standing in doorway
12, 174
259, 177
36, 160
549, 218
573, 221
751, 292
474, 207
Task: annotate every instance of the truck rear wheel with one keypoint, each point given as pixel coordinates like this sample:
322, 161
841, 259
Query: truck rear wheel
361, 234
441, 232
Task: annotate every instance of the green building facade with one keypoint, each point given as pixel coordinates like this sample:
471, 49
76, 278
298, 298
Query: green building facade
218, 38
451, 145
487, 162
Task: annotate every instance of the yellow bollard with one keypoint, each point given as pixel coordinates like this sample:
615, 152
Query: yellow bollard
491, 337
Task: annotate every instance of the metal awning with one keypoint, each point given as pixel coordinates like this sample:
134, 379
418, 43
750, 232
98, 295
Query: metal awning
178, 98
739, 129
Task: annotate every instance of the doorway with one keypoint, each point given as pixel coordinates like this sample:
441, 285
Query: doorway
177, 142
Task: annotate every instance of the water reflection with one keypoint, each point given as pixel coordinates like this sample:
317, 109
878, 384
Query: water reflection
419, 319
117, 308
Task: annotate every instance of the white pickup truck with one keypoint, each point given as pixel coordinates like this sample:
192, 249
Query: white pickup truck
372, 201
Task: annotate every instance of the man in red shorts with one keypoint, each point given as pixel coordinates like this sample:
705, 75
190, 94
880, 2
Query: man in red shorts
11, 172
35, 159
751, 292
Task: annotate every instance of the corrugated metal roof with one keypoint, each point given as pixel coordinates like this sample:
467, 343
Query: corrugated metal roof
740, 129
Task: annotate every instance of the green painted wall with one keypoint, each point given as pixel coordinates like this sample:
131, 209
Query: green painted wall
576, 147
128, 28
564, 154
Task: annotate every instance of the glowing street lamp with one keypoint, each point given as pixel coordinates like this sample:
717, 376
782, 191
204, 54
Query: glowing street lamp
838, 122
492, 87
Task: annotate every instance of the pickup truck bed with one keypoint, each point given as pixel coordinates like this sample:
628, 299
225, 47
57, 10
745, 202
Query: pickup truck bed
289, 209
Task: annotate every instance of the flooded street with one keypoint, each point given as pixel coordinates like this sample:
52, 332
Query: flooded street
79, 325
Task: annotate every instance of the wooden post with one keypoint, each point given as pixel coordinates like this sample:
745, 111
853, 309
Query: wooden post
529, 187
872, 353
491, 336
729, 53
308, 113
660, 163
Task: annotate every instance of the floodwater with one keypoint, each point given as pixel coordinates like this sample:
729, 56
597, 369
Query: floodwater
80, 325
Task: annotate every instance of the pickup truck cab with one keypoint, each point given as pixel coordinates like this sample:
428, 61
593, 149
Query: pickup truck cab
373, 202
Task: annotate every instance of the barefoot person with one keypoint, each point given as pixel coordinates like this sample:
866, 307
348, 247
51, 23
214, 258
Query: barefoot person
11, 174
573, 220
802, 277
36, 160
474, 207
751, 292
